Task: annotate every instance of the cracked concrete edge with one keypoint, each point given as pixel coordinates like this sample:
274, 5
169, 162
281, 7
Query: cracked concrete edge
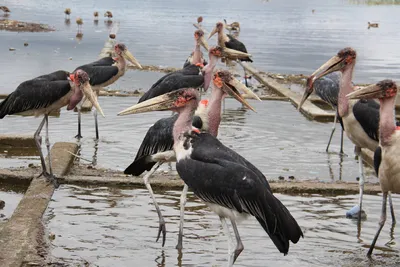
22, 241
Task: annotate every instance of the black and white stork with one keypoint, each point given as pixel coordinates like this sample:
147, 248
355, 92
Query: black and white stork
105, 72
157, 146
197, 56
360, 118
229, 184
327, 88
387, 154
46, 93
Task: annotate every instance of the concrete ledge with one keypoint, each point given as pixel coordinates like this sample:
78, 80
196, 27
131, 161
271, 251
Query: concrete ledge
22, 241
17, 140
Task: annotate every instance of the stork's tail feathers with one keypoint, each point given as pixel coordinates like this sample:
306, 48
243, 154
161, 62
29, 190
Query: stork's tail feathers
4, 107
139, 166
282, 227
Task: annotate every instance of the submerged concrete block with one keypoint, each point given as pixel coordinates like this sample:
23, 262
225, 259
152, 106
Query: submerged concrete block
22, 241
17, 140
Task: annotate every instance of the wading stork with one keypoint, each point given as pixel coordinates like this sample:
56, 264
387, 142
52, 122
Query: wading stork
388, 153
360, 117
194, 76
197, 56
157, 146
67, 13
228, 184
105, 72
46, 93
327, 88
5, 9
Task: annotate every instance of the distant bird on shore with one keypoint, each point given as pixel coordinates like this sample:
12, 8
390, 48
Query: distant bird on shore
79, 21
200, 20
108, 14
5, 9
96, 15
67, 12
372, 25
234, 26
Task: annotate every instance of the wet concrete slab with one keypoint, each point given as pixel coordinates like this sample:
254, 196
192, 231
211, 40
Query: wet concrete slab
22, 241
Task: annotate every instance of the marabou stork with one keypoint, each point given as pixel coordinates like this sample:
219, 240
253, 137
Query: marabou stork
197, 56
388, 152
104, 72
360, 118
327, 88
194, 76
229, 184
96, 15
67, 13
109, 15
46, 93
229, 41
5, 9
234, 26
157, 146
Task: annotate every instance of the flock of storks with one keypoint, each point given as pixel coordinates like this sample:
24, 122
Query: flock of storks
225, 181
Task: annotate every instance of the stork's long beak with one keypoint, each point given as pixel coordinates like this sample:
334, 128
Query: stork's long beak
128, 56
89, 94
371, 91
234, 54
233, 87
306, 94
159, 103
204, 43
333, 64
214, 31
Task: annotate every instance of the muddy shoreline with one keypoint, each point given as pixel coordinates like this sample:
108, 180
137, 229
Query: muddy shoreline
21, 26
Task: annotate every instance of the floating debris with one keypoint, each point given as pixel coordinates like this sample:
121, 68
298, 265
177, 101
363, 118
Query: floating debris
11, 49
26, 44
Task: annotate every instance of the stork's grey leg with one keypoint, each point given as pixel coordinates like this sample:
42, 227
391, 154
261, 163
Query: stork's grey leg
392, 209
181, 217
230, 241
381, 223
332, 132
79, 135
341, 141
239, 245
161, 227
96, 125
38, 140
51, 178
361, 181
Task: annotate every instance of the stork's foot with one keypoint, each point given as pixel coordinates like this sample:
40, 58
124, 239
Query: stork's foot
50, 178
238, 250
161, 228
78, 136
354, 212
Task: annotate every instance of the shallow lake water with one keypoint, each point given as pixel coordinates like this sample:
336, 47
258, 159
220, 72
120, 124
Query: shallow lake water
109, 226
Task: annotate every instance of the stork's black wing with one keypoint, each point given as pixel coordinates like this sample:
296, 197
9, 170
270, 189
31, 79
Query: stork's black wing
159, 138
235, 44
327, 88
366, 113
99, 74
60, 75
216, 178
105, 61
33, 94
173, 82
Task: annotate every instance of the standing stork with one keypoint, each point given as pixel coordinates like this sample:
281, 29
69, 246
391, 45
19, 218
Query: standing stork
96, 15
67, 13
327, 88
360, 118
234, 26
229, 41
194, 76
197, 56
104, 72
387, 154
157, 146
42, 95
228, 184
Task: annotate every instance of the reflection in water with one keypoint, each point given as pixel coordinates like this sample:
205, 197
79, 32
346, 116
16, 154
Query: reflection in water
108, 24
331, 157
96, 22
79, 36
96, 147
67, 22
160, 260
